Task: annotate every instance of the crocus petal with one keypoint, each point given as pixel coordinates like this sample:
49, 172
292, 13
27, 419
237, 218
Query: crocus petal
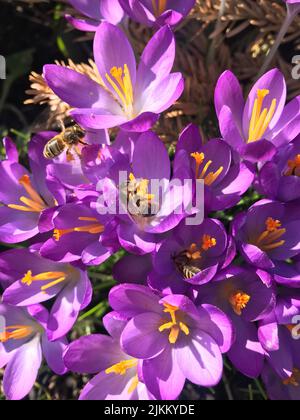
106, 57
149, 144
67, 306
16, 226
141, 337
246, 354
68, 85
141, 123
133, 299
98, 118
22, 370
108, 387
92, 353
200, 360
229, 93
86, 25
161, 94
163, 376
157, 59
88, 8
111, 11
53, 352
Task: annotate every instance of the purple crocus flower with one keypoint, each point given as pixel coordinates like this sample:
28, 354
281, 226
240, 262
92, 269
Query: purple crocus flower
267, 232
256, 128
224, 176
95, 11
79, 234
118, 374
279, 179
29, 279
157, 12
192, 255
242, 294
22, 347
29, 199
176, 340
132, 98
144, 220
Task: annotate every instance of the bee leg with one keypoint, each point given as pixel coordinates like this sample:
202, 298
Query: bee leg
83, 143
69, 155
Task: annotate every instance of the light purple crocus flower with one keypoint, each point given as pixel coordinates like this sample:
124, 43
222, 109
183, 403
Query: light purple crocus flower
95, 12
132, 97
267, 232
256, 128
29, 279
215, 164
191, 255
157, 12
279, 179
80, 233
118, 374
246, 296
141, 223
176, 340
29, 200
22, 347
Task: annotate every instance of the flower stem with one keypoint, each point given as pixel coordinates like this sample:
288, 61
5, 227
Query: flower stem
284, 28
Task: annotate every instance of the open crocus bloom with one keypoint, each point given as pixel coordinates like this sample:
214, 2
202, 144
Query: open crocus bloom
132, 97
216, 165
178, 340
268, 232
279, 179
118, 374
191, 255
28, 200
243, 296
157, 12
35, 279
95, 11
264, 122
147, 212
79, 234
22, 346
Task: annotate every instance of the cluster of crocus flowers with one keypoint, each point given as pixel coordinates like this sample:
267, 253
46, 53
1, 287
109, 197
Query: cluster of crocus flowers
190, 290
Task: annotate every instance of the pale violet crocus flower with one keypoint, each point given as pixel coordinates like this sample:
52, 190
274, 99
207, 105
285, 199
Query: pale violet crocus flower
133, 97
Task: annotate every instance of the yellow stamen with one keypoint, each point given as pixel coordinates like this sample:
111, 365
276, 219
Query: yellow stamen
174, 326
33, 203
15, 332
260, 120
93, 228
159, 7
193, 253
294, 380
208, 242
267, 240
293, 167
211, 177
57, 277
239, 301
133, 385
122, 367
120, 80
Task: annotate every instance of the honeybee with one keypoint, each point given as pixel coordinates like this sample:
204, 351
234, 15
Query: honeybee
137, 204
184, 267
69, 137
